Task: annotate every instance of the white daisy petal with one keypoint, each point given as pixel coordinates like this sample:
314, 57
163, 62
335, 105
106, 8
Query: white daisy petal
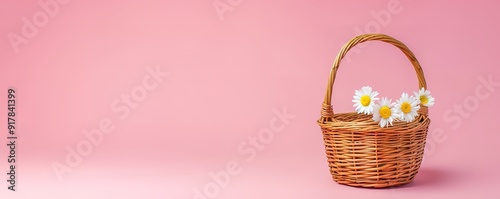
407, 108
364, 99
424, 97
384, 113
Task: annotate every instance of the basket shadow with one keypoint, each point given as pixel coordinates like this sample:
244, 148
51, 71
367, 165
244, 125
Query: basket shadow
430, 177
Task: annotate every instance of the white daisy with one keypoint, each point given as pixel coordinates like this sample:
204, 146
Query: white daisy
364, 99
407, 107
384, 113
425, 97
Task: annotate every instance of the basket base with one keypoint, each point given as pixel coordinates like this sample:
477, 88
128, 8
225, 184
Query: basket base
377, 184
373, 185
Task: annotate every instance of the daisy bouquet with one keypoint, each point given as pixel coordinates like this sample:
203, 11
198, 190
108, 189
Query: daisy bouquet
384, 111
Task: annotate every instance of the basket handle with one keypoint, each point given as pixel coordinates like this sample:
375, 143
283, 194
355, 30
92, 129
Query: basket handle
327, 110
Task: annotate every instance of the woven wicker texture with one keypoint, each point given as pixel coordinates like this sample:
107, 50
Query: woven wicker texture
361, 153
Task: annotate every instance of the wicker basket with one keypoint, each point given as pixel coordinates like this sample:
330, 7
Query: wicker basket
360, 153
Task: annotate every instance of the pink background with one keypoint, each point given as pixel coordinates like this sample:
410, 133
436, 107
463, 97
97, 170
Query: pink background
226, 76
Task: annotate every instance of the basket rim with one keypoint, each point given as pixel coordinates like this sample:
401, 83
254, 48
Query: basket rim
421, 121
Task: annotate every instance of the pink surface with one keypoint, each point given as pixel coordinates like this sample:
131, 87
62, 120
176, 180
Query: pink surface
227, 75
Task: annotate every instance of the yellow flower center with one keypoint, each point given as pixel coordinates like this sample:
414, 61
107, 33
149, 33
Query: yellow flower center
385, 112
365, 100
424, 99
406, 107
